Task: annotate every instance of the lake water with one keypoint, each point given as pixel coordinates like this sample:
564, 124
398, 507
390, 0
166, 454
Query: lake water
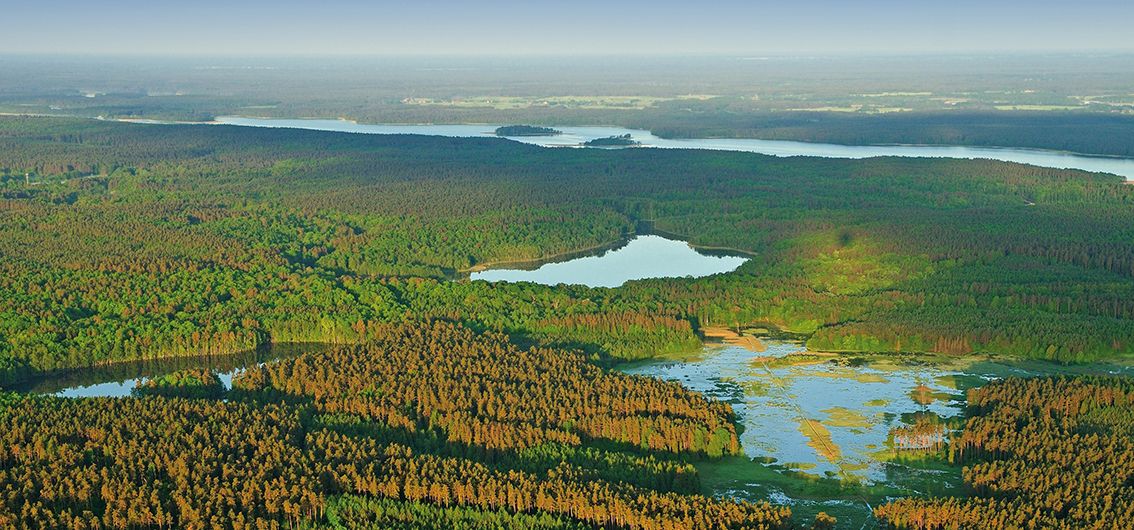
644, 256
118, 380
124, 387
575, 136
857, 404
784, 402
807, 419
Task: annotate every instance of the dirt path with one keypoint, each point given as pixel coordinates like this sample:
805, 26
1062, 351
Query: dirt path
728, 336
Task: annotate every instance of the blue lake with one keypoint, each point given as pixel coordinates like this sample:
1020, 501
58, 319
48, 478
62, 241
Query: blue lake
644, 256
813, 416
575, 136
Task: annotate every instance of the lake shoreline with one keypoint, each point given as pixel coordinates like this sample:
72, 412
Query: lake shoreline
639, 256
573, 136
686, 239
988, 151
610, 245
27, 385
490, 265
1039, 150
854, 403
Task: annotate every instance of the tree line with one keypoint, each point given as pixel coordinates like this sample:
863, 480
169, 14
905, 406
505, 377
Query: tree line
1038, 453
378, 433
210, 240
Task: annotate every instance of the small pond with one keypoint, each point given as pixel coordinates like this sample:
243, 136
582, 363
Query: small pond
643, 256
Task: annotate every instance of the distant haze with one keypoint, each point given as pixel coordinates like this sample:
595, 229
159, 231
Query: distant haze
291, 27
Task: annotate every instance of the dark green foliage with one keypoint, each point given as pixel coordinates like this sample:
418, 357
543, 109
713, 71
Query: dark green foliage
143, 241
526, 130
186, 384
485, 393
432, 425
7, 399
1078, 132
1038, 453
612, 141
362, 513
943, 100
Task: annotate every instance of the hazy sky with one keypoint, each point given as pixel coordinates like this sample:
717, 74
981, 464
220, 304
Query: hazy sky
290, 27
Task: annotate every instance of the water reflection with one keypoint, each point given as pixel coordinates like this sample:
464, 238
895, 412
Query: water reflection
644, 256
575, 136
830, 416
118, 380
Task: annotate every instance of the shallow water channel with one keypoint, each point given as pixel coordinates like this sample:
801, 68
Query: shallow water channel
817, 430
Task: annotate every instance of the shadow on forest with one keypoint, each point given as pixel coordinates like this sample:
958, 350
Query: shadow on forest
55, 381
603, 459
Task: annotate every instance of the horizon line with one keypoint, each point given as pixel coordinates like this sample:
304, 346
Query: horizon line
749, 55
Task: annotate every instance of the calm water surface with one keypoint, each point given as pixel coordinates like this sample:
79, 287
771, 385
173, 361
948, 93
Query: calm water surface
118, 380
644, 256
574, 136
857, 402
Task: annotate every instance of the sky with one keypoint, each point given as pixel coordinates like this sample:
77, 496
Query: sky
565, 27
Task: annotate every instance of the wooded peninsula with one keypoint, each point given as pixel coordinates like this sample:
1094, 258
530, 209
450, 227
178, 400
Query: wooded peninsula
444, 402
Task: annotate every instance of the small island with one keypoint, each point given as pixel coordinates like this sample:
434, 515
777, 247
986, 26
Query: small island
194, 384
623, 140
526, 130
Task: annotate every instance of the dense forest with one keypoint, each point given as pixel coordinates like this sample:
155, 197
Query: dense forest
430, 423
437, 426
128, 241
526, 130
1038, 453
623, 140
1073, 102
1074, 131
467, 404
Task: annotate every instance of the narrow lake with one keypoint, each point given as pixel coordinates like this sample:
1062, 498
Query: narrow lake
119, 380
643, 256
575, 136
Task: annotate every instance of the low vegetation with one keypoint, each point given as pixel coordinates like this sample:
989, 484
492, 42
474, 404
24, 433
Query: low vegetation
1038, 453
128, 242
456, 402
432, 423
